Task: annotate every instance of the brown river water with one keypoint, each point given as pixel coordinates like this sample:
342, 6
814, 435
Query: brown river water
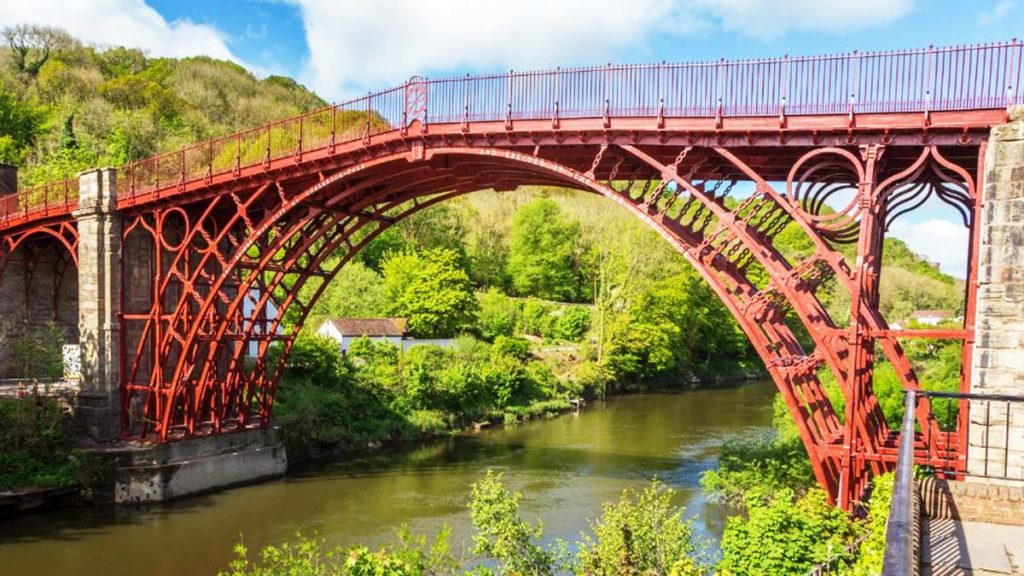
566, 467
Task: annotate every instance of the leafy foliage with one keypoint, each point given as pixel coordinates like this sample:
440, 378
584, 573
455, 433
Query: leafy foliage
750, 465
37, 353
432, 290
643, 533
35, 443
126, 105
502, 534
412, 556
542, 258
783, 534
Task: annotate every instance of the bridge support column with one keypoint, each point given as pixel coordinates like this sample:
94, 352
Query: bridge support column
99, 303
998, 358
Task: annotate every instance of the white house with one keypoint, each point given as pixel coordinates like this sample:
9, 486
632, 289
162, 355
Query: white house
932, 317
345, 330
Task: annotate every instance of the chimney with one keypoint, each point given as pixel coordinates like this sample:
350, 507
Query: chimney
8, 179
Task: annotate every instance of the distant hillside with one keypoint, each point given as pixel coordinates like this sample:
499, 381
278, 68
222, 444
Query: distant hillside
65, 106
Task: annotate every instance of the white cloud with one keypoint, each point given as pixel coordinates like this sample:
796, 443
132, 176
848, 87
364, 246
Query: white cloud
938, 240
996, 14
359, 44
120, 22
765, 19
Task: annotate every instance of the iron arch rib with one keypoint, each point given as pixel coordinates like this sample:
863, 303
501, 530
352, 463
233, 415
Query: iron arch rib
193, 395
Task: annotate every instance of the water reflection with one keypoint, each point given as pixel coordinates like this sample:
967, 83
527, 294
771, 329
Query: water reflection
565, 467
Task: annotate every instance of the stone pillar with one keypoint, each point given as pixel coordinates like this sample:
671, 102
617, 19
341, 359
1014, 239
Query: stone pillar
998, 360
99, 303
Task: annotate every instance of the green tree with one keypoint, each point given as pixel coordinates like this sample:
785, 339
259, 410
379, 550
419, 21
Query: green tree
432, 290
542, 259
501, 534
20, 124
783, 534
499, 314
572, 323
356, 292
31, 46
67, 136
643, 533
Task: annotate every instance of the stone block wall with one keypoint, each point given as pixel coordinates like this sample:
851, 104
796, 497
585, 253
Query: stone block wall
39, 284
998, 363
972, 501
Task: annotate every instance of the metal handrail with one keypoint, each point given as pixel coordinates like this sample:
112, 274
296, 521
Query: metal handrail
900, 558
968, 77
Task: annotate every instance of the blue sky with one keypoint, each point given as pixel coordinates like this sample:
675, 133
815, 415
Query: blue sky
272, 35
344, 48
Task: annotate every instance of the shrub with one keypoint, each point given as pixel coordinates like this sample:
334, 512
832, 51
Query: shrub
518, 348
784, 534
536, 318
35, 443
572, 324
37, 354
871, 551
750, 465
499, 315
590, 379
501, 534
643, 533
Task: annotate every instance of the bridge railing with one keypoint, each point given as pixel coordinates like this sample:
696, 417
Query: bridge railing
901, 535
324, 128
984, 76
39, 201
992, 427
932, 79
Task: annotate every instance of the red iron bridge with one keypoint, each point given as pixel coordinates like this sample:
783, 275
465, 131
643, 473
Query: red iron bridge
174, 272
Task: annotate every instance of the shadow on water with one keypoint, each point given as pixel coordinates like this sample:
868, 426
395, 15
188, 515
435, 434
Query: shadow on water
565, 467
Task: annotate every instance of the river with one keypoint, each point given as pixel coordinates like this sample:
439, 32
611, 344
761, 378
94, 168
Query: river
565, 467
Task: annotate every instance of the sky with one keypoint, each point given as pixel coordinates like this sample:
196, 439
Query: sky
345, 48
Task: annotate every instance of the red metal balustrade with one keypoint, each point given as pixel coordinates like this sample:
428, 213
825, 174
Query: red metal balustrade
43, 201
977, 77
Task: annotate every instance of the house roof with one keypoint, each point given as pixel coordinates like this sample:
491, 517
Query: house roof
932, 313
369, 326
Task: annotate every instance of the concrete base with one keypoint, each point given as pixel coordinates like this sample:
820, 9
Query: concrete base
164, 472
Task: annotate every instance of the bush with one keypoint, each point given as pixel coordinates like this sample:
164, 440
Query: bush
499, 315
572, 324
762, 464
871, 551
35, 443
536, 318
37, 354
643, 533
317, 359
590, 379
502, 535
784, 534
307, 557
518, 348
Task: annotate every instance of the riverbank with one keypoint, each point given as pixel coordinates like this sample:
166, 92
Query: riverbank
566, 467
377, 396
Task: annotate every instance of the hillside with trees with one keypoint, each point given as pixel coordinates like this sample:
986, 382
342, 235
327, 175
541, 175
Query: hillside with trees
66, 106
